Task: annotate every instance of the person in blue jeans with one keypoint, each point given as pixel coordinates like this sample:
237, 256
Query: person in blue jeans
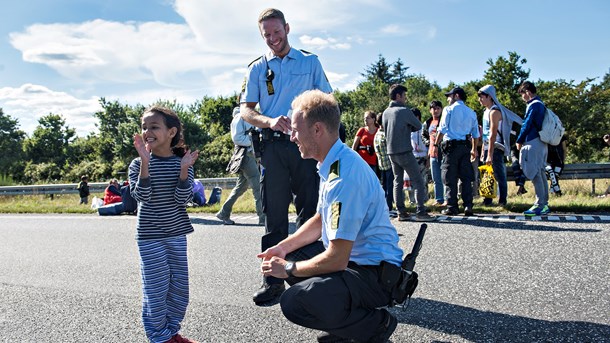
497, 122
436, 157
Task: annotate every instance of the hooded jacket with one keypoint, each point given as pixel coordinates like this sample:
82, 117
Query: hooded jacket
508, 117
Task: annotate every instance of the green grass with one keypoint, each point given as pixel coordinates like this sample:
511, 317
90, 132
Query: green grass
576, 199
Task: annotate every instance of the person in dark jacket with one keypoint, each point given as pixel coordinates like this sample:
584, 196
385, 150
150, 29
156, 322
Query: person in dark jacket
533, 151
83, 189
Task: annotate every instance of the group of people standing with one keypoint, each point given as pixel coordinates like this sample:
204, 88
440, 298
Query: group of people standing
343, 258
446, 148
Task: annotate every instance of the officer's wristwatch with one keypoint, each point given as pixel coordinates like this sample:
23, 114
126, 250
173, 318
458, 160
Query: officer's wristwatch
290, 267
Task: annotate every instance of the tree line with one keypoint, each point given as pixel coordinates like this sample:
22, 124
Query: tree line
53, 152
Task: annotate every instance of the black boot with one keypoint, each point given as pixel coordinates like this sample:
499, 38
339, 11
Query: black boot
268, 292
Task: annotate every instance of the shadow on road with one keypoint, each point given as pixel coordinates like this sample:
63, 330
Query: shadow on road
483, 326
516, 225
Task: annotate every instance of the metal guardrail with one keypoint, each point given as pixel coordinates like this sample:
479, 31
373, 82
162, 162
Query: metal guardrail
96, 187
583, 171
579, 171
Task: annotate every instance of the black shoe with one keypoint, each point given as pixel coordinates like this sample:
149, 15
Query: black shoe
404, 217
468, 211
449, 212
386, 329
268, 292
325, 337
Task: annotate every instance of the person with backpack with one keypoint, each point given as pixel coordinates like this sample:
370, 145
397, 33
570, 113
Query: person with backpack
533, 151
247, 171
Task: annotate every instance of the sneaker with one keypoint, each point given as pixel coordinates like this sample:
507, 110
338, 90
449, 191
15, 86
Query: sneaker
179, 339
533, 211
545, 210
268, 292
449, 212
386, 329
326, 337
468, 211
224, 220
424, 217
393, 214
521, 190
404, 217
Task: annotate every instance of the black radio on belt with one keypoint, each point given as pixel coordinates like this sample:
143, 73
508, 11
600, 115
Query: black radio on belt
272, 135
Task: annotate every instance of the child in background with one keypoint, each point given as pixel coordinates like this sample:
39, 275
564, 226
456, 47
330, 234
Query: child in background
161, 180
83, 189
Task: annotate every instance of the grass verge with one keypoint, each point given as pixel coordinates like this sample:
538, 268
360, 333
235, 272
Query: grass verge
576, 199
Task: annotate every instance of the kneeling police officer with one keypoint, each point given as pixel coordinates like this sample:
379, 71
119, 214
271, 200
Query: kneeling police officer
339, 283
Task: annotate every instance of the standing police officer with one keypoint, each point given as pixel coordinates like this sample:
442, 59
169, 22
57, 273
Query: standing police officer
273, 81
339, 283
459, 134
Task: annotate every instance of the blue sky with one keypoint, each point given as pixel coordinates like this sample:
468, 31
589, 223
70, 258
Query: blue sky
61, 56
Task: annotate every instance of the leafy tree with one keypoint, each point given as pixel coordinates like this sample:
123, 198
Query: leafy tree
215, 156
50, 140
45, 172
584, 111
209, 126
117, 125
399, 72
506, 74
387, 73
379, 70
368, 95
11, 144
420, 92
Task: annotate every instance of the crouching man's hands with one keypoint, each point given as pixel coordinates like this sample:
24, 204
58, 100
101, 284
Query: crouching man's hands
275, 267
273, 262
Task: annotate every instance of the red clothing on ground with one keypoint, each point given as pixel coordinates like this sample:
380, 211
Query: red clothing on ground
110, 197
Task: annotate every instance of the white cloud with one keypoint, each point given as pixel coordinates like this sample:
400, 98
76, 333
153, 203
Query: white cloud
426, 31
29, 103
335, 78
205, 55
323, 43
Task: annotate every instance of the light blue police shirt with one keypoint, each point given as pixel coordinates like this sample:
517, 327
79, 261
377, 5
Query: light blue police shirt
352, 206
293, 74
457, 121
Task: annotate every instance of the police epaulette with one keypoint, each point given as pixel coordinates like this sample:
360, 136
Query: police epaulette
334, 171
256, 59
307, 52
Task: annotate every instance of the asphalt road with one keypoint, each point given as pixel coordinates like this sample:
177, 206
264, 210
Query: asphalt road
75, 278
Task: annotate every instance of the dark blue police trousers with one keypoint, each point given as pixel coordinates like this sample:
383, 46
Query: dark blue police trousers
343, 303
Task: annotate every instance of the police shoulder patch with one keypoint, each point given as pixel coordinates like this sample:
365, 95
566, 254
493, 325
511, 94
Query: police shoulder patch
335, 215
334, 171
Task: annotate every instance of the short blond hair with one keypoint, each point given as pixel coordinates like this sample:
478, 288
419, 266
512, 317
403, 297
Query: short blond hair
318, 106
271, 13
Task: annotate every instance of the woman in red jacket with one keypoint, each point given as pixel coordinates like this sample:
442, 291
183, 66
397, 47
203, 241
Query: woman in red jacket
363, 142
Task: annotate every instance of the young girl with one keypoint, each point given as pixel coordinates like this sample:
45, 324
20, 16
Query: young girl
161, 180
